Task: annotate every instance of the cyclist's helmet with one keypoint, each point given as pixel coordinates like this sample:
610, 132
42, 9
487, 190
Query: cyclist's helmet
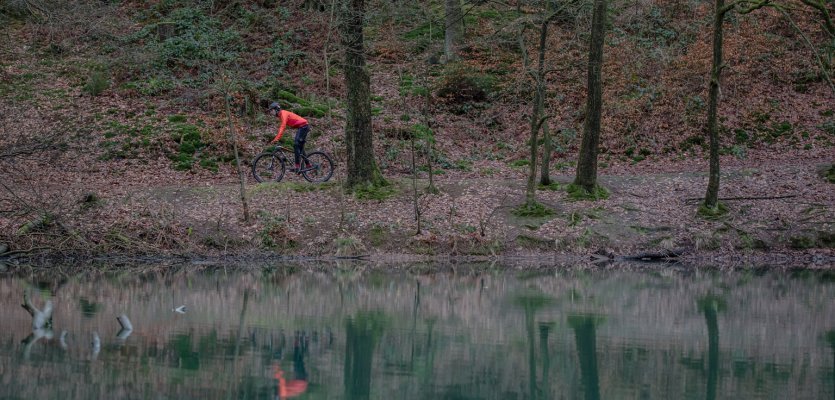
274, 107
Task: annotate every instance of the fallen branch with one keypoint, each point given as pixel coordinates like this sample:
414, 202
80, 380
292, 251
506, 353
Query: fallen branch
664, 255
40, 318
127, 327
692, 199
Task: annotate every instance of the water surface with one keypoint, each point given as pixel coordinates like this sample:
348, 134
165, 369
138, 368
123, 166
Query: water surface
357, 333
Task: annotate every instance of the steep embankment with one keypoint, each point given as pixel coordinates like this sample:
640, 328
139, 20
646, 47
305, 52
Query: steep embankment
115, 137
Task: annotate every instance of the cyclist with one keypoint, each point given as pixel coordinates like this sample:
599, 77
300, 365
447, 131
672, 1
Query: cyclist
294, 121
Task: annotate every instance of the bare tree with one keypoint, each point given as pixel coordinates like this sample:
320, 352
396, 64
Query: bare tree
537, 113
225, 86
712, 195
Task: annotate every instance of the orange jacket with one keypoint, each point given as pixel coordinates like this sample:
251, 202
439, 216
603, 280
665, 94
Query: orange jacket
290, 389
288, 119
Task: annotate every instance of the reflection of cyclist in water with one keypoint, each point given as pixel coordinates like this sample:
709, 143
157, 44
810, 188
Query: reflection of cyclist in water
297, 385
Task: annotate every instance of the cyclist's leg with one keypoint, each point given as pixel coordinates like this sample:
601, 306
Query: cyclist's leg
298, 144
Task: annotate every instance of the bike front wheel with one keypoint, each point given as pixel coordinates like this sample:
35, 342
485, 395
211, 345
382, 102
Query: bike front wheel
318, 168
267, 167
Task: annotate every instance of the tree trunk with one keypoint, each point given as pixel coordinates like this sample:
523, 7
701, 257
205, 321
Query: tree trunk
587, 160
361, 166
430, 141
547, 149
712, 195
537, 118
415, 197
454, 29
234, 139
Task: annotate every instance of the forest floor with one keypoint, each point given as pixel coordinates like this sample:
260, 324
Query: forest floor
780, 207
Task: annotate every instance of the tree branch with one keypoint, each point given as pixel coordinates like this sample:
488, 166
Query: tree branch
811, 47
827, 18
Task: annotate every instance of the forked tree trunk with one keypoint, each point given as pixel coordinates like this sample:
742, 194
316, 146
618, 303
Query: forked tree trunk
587, 160
537, 114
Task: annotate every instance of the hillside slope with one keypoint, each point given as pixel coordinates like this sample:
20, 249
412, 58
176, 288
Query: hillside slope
112, 113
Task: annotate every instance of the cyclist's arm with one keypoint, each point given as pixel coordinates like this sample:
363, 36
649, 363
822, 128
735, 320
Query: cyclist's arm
281, 127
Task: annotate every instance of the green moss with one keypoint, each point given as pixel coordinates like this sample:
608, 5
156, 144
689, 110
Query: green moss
830, 174
304, 188
553, 186
300, 106
460, 85
532, 210
209, 163
292, 98
176, 118
520, 163
310, 112
578, 193
802, 242
422, 32
530, 242
187, 148
374, 192
377, 235
712, 213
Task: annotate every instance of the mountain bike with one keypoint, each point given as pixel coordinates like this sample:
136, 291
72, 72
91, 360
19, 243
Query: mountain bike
270, 166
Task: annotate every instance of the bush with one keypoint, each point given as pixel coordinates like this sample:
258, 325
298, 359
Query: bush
97, 83
459, 85
188, 38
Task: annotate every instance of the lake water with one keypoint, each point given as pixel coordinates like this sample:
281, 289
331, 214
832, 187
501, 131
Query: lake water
352, 332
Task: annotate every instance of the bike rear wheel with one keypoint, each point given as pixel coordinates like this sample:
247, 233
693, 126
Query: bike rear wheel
268, 167
320, 168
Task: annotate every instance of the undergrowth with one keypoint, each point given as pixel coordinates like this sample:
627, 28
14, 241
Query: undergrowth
578, 193
532, 210
374, 192
712, 213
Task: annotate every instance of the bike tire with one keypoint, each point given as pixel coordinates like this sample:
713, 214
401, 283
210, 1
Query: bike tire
322, 167
268, 167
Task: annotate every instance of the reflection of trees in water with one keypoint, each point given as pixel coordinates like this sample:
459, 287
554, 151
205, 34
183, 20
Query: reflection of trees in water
445, 336
362, 332
710, 306
532, 302
830, 339
585, 334
41, 322
544, 330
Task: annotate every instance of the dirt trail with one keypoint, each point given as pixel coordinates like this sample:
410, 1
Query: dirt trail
473, 216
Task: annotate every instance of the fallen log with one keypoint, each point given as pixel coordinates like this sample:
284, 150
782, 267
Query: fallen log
658, 256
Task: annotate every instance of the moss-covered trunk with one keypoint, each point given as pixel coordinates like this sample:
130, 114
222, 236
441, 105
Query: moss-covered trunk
454, 31
587, 160
362, 168
712, 195
547, 150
